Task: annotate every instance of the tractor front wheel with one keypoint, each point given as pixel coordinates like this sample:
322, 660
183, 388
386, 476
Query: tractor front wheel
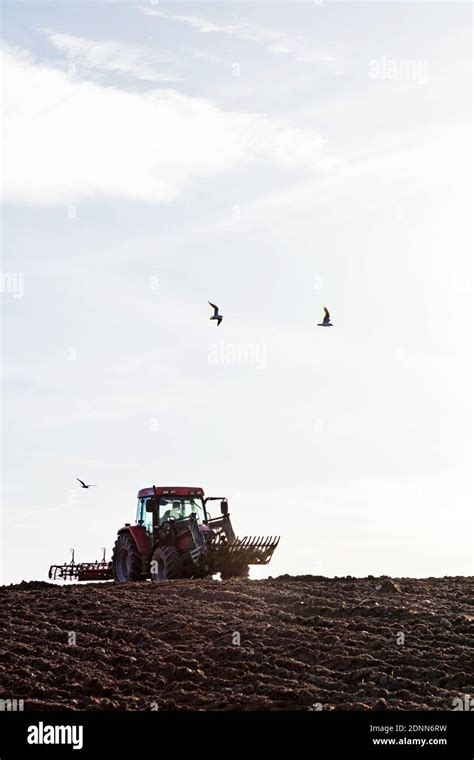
166, 564
126, 560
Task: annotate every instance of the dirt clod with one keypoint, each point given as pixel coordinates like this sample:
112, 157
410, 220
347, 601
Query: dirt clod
389, 587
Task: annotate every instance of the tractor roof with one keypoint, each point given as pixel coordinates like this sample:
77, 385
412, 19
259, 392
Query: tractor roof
171, 491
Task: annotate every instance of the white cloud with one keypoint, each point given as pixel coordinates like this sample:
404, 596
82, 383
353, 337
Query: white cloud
111, 55
241, 30
67, 139
274, 41
203, 55
416, 157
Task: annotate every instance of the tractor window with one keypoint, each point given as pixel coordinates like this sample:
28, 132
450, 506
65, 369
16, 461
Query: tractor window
148, 517
181, 507
145, 517
140, 510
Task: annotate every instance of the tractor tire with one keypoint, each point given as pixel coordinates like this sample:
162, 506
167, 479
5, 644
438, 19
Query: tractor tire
166, 564
239, 573
126, 560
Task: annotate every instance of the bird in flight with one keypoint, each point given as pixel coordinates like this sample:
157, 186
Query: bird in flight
216, 314
83, 485
326, 321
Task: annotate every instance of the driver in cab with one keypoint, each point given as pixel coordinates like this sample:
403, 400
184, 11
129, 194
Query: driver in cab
174, 511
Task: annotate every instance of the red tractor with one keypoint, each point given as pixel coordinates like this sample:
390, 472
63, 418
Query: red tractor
175, 537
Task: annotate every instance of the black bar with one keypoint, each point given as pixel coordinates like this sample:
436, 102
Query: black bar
352, 733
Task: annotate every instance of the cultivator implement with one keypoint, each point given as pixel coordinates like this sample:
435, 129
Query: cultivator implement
82, 571
246, 551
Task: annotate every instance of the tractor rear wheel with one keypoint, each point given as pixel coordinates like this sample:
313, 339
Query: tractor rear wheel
166, 564
126, 560
240, 573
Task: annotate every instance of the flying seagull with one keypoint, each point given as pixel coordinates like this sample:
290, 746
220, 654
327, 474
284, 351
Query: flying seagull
83, 485
326, 321
216, 314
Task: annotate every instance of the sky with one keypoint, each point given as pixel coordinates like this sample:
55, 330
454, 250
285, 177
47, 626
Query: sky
273, 158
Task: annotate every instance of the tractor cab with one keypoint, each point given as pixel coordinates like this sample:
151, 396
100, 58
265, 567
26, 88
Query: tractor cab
158, 506
155, 512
